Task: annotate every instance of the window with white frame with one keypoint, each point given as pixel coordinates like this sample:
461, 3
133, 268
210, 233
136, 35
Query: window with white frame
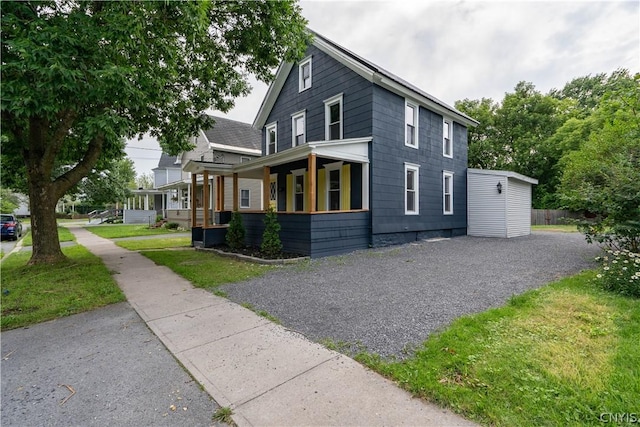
304, 74
272, 138
244, 159
298, 192
411, 124
298, 132
245, 198
447, 138
447, 193
411, 186
333, 117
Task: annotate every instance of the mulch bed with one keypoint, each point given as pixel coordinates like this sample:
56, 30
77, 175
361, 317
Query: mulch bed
255, 252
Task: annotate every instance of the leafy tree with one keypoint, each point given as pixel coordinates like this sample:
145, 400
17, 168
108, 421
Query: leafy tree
109, 186
78, 77
271, 244
602, 177
9, 201
145, 181
235, 232
483, 150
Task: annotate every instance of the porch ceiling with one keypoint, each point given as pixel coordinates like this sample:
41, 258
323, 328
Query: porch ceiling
353, 150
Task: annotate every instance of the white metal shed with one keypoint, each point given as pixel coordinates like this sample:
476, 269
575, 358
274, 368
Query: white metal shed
498, 203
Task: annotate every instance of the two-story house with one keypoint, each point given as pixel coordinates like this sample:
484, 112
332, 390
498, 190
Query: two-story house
355, 157
227, 143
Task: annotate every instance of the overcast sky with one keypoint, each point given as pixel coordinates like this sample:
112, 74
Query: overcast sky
466, 49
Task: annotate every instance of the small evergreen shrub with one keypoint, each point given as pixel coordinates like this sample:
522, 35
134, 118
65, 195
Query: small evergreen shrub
271, 243
235, 232
171, 226
620, 272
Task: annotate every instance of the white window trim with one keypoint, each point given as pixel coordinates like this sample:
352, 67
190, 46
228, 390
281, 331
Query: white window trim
244, 159
446, 174
416, 117
444, 151
268, 127
337, 99
416, 168
302, 63
248, 198
295, 116
296, 173
331, 167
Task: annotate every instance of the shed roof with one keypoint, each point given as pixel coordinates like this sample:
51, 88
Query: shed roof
502, 173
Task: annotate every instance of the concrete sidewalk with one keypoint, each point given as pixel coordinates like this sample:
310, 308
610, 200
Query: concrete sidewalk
267, 374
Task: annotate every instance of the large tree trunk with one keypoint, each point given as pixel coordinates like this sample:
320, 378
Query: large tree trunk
44, 228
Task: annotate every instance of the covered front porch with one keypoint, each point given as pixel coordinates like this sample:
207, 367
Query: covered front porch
320, 191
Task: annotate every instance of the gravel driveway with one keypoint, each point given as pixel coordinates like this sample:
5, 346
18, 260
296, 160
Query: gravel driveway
392, 298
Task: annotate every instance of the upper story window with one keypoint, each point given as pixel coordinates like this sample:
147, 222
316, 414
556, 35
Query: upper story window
298, 131
411, 193
272, 138
304, 74
411, 124
333, 117
447, 138
447, 193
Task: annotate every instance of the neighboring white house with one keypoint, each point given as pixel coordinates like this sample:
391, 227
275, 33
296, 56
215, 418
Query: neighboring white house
229, 142
498, 203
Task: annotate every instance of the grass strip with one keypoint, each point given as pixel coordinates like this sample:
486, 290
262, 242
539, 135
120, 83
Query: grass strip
64, 235
567, 354
34, 294
155, 243
560, 228
205, 269
114, 231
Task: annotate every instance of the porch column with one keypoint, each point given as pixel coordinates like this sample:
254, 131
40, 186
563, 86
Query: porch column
365, 186
222, 193
193, 208
235, 192
205, 196
146, 202
312, 182
266, 180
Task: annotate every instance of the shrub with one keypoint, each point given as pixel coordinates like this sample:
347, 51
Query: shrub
171, 226
235, 232
271, 243
159, 218
620, 272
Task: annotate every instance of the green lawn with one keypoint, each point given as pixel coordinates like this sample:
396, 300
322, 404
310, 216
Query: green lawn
156, 243
560, 355
205, 269
115, 231
63, 234
562, 228
33, 294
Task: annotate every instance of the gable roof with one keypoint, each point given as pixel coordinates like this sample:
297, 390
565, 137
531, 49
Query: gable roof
369, 71
233, 136
167, 161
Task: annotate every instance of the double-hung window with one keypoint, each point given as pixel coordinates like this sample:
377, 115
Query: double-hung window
333, 117
447, 138
298, 129
272, 138
298, 192
411, 189
447, 193
411, 124
245, 198
304, 74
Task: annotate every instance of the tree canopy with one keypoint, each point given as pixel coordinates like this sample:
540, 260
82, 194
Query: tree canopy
79, 77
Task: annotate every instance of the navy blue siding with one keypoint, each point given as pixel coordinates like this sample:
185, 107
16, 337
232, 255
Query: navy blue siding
388, 157
314, 235
329, 78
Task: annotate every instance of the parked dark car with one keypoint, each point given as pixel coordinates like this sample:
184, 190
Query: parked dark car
11, 227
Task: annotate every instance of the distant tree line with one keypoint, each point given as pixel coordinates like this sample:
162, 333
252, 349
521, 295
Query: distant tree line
581, 142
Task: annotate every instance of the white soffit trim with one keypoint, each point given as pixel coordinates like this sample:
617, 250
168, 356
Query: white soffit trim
234, 149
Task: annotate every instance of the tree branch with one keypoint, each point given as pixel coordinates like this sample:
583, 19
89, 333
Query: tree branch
64, 182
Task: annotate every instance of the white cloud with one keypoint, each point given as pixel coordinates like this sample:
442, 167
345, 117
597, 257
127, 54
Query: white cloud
474, 49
